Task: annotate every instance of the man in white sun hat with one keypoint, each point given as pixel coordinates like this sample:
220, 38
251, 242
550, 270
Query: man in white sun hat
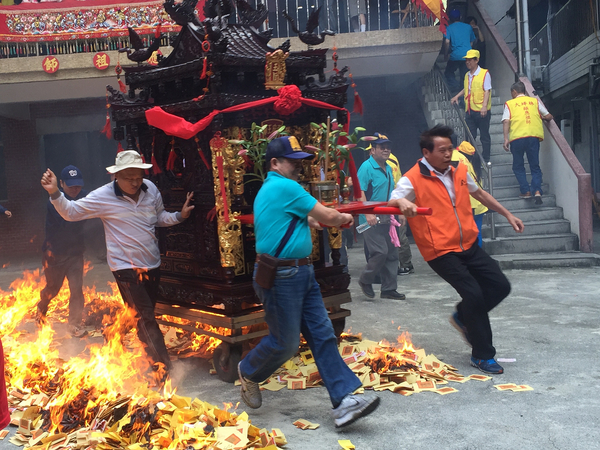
130, 208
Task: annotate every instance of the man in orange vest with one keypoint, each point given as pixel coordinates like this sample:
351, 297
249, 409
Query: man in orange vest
522, 121
477, 91
448, 239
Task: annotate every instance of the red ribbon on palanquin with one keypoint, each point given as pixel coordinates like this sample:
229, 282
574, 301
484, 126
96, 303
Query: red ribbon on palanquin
288, 100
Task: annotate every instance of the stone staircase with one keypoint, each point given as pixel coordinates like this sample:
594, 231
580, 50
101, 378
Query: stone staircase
547, 240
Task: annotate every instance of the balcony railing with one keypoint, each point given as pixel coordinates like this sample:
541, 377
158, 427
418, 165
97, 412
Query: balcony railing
573, 23
347, 16
340, 16
25, 49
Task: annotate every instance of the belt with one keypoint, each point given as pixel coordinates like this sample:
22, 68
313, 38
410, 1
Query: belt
291, 262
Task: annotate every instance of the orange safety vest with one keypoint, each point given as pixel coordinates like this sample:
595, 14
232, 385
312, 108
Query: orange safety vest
450, 228
474, 96
525, 119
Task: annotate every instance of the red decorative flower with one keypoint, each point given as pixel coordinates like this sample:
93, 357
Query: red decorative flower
288, 101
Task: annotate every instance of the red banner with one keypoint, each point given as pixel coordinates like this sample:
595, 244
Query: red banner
76, 19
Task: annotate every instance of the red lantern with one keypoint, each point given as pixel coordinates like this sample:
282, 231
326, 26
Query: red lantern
50, 64
101, 61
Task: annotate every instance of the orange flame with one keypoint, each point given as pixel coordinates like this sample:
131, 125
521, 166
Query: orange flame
102, 373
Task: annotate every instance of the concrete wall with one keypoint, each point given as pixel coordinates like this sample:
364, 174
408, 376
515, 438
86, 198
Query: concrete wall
496, 9
55, 135
500, 60
562, 170
24, 232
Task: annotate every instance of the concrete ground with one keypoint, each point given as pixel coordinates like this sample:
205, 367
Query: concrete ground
549, 324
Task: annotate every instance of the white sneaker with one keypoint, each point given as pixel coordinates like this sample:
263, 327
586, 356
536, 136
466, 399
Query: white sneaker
250, 391
354, 407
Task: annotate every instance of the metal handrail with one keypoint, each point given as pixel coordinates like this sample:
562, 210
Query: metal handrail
463, 132
437, 82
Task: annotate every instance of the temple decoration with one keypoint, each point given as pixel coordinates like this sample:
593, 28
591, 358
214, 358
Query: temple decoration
75, 19
153, 60
101, 61
50, 64
224, 168
275, 69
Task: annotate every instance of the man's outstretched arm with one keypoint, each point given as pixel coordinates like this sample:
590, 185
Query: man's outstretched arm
489, 201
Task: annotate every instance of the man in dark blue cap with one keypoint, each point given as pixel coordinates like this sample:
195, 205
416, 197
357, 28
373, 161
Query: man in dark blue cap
377, 183
63, 254
458, 40
283, 215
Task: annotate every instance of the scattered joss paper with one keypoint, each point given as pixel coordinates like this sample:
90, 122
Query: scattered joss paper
103, 398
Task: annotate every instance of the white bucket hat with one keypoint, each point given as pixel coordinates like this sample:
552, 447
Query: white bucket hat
128, 159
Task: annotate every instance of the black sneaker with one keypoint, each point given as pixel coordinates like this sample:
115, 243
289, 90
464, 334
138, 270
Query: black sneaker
406, 270
538, 198
367, 289
487, 366
394, 295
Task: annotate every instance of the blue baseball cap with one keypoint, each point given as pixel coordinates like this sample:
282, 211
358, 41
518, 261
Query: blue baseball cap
381, 139
71, 175
286, 147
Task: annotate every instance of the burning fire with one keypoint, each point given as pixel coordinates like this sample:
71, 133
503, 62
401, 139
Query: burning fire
79, 388
102, 399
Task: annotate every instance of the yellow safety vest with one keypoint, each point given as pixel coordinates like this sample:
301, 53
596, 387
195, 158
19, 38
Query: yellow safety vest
474, 97
525, 119
395, 165
475, 204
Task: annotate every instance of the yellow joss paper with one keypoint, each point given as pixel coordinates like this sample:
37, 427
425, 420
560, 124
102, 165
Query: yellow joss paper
346, 444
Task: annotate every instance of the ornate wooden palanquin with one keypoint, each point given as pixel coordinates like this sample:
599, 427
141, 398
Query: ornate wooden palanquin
207, 261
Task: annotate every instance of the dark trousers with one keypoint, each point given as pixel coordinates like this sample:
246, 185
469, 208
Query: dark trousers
451, 68
476, 122
56, 269
482, 285
139, 290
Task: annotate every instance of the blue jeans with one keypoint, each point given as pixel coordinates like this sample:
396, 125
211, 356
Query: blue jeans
479, 222
529, 146
293, 305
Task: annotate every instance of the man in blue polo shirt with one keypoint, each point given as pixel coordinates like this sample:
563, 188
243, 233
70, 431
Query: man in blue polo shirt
458, 40
377, 183
294, 304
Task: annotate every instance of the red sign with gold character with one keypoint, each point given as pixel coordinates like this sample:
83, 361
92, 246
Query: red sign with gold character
50, 64
153, 60
101, 61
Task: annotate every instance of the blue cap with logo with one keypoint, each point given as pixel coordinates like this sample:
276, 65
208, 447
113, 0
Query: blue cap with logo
286, 147
71, 175
381, 139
